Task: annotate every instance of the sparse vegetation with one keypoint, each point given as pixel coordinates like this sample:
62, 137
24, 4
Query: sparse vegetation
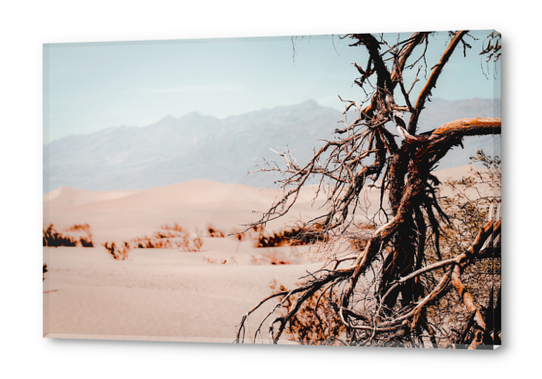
182, 239
157, 242
170, 237
52, 238
272, 257
316, 322
469, 209
214, 233
175, 228
85, 241
231, 260
290, 237
117, 253
240, 236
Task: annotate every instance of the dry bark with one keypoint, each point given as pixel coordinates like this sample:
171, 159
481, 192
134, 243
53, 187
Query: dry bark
406, 284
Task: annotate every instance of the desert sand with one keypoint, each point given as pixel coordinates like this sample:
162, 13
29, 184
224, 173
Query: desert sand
171, 294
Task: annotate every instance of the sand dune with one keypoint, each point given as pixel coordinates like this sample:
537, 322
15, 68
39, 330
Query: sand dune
169, 294
194, 204
161, 294
67, 196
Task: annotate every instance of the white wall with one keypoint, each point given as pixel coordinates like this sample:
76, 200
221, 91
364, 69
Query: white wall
26, 25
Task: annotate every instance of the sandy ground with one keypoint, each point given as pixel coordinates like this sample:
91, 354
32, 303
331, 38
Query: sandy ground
156, 294
169, 294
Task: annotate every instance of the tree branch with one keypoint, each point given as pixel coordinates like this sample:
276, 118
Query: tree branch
432, 81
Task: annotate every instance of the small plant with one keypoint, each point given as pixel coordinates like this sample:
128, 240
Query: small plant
358, 239
197, 243
316, 322
151, 243
85, 241
52, 238
117, 253
182, 238
44, 270
230, 260
271, 257
239, 236
214, 233
175, 227
169, 237
289, 237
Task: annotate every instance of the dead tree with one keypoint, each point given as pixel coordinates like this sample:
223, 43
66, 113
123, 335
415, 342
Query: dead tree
389, 290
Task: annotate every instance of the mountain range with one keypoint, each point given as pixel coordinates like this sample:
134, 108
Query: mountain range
196, 146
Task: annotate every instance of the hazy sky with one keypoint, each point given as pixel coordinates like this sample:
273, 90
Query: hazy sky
91, 86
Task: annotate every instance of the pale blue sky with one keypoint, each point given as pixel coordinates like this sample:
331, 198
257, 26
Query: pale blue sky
92, 86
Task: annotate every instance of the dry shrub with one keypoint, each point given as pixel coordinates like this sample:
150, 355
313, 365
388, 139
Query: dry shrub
52, 238
272, 257
169, 238
254, 232
290, 237
175, 227
151, 243
317, 322
85, 241
229, 260
235, 233
117, 253
362, 233
84, 228
182, 238
257, 228
214, 233
239, 236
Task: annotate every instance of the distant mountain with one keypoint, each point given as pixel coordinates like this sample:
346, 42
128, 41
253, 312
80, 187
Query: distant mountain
194, 146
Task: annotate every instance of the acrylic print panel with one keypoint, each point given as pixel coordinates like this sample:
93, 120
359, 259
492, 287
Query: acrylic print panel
331, 190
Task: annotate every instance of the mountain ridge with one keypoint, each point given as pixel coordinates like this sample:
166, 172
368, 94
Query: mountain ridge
197, 146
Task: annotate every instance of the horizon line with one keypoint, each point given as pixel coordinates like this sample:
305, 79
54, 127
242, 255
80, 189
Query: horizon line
169, 116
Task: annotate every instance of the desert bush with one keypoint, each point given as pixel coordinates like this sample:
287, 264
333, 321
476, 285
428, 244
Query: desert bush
214, 233
175, 227
468, 210
271, 257
359, 237
52, 238
117, 253
85, 241
315, 322
229, 260
170, 237
183, 240
290, 237
239, 236
151, 243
